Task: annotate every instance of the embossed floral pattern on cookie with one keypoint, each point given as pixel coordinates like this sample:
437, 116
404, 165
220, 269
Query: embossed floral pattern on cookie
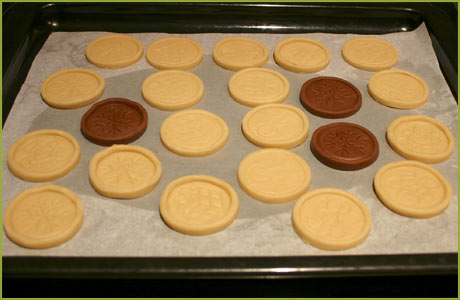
344, 146
124, 171
43, 216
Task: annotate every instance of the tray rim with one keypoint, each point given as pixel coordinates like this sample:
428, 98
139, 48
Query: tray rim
229, 267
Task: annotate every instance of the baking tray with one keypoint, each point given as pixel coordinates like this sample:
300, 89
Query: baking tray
24, 40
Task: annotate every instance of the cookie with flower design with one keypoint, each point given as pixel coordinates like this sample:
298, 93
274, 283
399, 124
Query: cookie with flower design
344, 146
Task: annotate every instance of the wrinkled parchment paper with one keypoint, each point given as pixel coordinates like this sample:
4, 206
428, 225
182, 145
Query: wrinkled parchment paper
134, 227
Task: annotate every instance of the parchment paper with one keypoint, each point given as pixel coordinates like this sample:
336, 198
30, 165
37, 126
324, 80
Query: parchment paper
134, 227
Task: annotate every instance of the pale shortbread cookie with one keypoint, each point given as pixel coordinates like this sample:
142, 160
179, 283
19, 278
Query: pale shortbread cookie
114, 51
237, 53
412, 189
301, 55
194, 132
370, 53
43, 216
172, 89
398, 88
274, 175
275, 126
331, 219
174, 53
72, 88
420, 138
257, 86
43, 155
124, 171
198, 204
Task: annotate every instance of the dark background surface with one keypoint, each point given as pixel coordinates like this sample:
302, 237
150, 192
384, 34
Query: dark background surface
26, 27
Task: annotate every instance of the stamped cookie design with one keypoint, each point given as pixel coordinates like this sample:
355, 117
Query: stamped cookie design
344, 146
43, 216
420, 138
301, 55
114, 51
275, 126
398, 89
330, 97
198, 204
172, 89
370, 53
174, 53
114, 121
124, 171
43, 155
194, 132
237, 53
72, 88
257, 86
413, 189
274, 175
331, 219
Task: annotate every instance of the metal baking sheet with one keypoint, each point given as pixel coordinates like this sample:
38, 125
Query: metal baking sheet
260, 229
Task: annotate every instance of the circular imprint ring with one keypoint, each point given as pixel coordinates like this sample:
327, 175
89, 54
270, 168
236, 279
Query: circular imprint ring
43, 155
43, 216
301, 55
370, 53
421, 138
274, 175
275, 126
114, 121
172, 89
194, 132
237, 53
313, 212
344, 146
174, 53
124, 171
398, 89
412, 189
256, 86
72, 88
198, 204
330, 97
114, 51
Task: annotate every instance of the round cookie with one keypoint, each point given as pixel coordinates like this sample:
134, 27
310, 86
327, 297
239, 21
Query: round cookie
344, 146
274, 175
124, 171
43, 216
194, 132
275, 126
257, 86
420, 138
398, 89
172, 89
412, 189
331, 219
330, 97
72, 88
237, 53
114, 51
174, 53
301, 55
370, 53
43, 155
114, 121
198, 204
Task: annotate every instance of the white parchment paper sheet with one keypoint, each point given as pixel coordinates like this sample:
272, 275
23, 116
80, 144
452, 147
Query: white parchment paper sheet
134, 227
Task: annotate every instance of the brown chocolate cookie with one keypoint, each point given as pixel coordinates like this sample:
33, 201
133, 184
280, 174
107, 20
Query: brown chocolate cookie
330, 97
344, 146
114, 121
